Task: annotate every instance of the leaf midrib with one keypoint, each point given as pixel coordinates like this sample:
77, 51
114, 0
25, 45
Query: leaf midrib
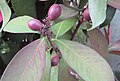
28, 64
75, 54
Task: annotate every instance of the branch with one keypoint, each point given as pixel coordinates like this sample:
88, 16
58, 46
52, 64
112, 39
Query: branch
77, 27
55, 48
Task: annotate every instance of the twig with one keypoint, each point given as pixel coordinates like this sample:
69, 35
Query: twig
106, 35
77, 27
55, 48
46, 32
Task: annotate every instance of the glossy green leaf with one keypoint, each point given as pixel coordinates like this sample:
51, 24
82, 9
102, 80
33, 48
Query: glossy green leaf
64, 74
81, 36
114, 3
80, 80
98, 42
19, 25
54, 74
109, 15
28, 64
24, 7
85, 61
67, 35
115, 27
67, 13
6, 13
46, 74
97, 10
85, 25
62, 27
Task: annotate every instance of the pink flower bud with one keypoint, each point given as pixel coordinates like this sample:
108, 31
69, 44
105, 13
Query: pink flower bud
1, 18
86, 14
55, 60
54, 12
35, 24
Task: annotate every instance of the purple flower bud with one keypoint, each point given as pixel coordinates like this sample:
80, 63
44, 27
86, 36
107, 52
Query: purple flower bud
55, 60
54, 12
1, 17
35, 24
86, 14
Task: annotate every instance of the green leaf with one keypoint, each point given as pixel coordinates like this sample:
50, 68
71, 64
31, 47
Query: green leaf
115, 27
85, 25
67, 35
114, 3
80, 80
28, 64
109, 15
6, 13
67, 13
62, 27
81, 36
98, 42
19, 25
85, 61
54, 74
97, 10
46, 74
64, 74
24, 7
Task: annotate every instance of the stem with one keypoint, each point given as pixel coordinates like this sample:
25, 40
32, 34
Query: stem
75, 31
55, 48
46, 32
106, 35
109, 29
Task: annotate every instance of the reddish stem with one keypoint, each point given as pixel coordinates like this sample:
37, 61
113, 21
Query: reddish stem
77, 27
117, 52
55, 48
109, 29
106, 35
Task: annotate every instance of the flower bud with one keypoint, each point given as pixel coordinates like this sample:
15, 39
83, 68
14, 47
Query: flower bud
86, 14
55, 60
1, 18
35, 24
54, 12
